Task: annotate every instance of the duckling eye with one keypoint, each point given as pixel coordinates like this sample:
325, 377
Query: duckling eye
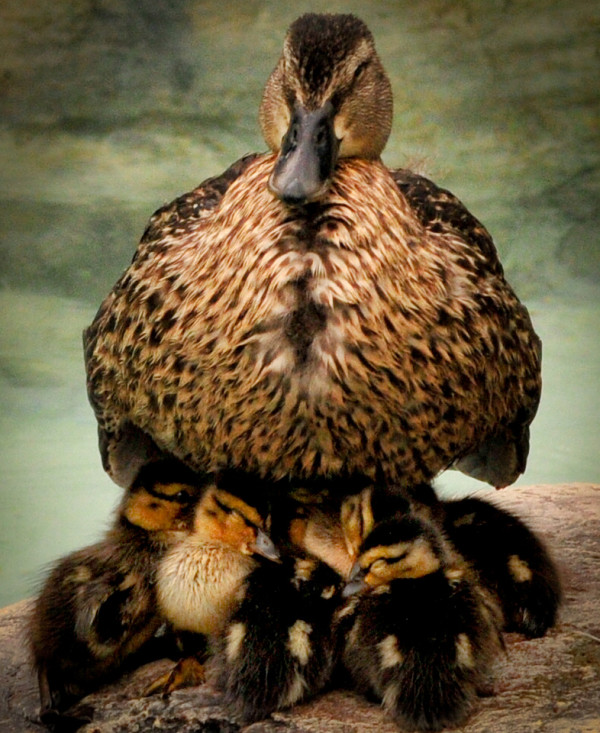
183, 496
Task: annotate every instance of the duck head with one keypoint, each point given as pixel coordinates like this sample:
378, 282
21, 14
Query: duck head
328, 98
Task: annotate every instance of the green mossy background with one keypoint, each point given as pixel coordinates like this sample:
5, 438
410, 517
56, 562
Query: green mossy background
110, 108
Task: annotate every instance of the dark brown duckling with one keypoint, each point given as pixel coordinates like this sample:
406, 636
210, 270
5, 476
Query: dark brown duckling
97, 613
422, 633
511, 561
312, 313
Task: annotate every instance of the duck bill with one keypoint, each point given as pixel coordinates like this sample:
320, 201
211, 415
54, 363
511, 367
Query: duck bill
263, 545
356, 582
307, 158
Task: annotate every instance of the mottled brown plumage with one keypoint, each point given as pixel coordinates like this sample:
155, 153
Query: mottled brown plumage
312, 313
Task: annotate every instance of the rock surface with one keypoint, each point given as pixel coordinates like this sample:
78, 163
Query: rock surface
550, 685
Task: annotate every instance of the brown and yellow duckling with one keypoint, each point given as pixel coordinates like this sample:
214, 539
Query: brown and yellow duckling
324, 521
202, 580
312, 313
97, 611
332, 525
511, 561
421, 633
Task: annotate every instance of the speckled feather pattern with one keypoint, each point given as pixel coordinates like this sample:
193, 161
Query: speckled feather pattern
200, 583
373, 331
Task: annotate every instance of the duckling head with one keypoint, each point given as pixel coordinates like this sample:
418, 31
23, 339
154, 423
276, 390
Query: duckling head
226, 518
328, 98
361, 512
403, 547
162, 497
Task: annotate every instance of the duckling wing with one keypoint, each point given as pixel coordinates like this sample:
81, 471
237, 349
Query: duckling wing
502, 456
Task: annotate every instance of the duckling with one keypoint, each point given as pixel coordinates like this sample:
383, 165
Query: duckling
96, 613
333, 525
510, 560
313, 313
324, 522
281, 645
201, 580
422, 634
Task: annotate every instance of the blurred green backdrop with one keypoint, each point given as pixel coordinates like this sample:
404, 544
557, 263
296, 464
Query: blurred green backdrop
110, 108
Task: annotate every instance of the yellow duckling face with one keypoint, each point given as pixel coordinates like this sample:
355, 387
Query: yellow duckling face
356, 516
328, 97
222, 517
360, 513
162, 498
329, 526
201, 579
399, 548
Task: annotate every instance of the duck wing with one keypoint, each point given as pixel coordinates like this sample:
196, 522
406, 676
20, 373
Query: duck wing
124, 447
441, 211
185, 210
502, 456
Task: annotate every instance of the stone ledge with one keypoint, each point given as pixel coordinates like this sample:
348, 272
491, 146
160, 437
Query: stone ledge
549, 685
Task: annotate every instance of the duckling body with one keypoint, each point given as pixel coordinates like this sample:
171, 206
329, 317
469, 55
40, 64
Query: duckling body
422, 633
281, 645
510, 560
309, 317
201, 580
97, 609
200, 583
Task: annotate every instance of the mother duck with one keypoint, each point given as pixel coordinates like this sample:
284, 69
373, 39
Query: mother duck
311, 313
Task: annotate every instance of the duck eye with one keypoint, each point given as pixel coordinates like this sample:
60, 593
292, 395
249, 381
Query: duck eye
183, 496
359, 70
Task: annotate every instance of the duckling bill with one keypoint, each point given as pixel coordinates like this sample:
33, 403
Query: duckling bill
311, 313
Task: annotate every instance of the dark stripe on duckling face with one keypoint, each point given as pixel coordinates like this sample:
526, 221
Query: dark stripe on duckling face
178, 492
162, 496
396, 549
166, 507
223, 517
